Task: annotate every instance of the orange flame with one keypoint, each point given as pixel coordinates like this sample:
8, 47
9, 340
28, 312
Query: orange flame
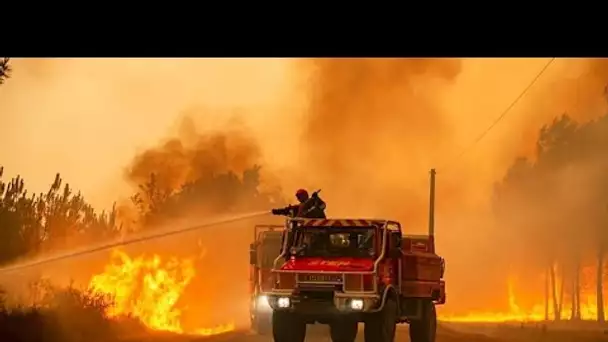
515, 313
149, 290
536, 311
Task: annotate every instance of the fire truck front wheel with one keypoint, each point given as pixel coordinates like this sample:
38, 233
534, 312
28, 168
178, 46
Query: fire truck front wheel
343, 330
381, 326
425, 328
288, 327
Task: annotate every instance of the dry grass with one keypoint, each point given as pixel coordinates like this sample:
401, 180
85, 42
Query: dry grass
63, 315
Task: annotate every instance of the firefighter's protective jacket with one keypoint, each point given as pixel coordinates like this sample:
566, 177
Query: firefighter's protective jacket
313, 208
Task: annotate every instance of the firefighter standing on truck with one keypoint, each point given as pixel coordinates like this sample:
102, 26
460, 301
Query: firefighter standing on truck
309, 207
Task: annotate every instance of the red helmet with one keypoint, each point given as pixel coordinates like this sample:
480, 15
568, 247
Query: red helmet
302, 195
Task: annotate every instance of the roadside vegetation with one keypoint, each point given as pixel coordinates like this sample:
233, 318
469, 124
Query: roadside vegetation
555, 210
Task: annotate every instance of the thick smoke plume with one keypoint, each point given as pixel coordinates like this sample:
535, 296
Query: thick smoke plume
192, 156
374, 127
214, 172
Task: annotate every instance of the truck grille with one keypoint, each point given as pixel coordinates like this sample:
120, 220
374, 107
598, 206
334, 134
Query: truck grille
316, 296
285, 281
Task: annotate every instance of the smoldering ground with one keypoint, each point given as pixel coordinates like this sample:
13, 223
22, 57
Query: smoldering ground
365, 131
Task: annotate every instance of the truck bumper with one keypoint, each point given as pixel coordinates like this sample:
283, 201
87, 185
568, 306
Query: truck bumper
341, 304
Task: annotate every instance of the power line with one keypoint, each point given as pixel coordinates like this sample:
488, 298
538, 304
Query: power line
501, 116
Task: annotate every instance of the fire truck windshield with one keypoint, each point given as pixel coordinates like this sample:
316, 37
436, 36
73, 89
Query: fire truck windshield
348, 242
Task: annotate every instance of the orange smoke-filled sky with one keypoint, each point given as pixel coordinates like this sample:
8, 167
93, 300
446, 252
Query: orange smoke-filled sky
87, 118
365, 131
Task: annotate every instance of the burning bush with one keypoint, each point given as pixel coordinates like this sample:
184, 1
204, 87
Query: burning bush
145, 288
149, 289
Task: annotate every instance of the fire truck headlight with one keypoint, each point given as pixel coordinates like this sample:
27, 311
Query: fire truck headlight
283, 302
356, 304
262, 303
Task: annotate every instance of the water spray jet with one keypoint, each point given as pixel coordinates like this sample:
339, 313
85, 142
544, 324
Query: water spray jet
132, 240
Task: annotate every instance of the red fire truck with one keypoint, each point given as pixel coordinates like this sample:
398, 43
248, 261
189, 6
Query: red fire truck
342, 272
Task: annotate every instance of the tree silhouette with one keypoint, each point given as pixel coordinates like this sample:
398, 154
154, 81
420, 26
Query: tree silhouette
5, 69
59, 218
219, 193
31, 223
557, 206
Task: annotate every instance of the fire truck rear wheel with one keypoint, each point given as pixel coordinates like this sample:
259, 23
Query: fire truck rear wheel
343, 330
288, 327
380, 327
425, 329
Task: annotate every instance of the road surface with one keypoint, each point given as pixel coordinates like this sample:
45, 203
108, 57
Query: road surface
444, 335
451, 333
402, 336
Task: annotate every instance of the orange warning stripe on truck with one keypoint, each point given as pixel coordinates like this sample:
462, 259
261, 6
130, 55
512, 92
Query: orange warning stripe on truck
341, 223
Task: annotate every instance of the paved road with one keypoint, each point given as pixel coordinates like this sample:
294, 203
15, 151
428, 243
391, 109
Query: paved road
444, 335
451, 333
